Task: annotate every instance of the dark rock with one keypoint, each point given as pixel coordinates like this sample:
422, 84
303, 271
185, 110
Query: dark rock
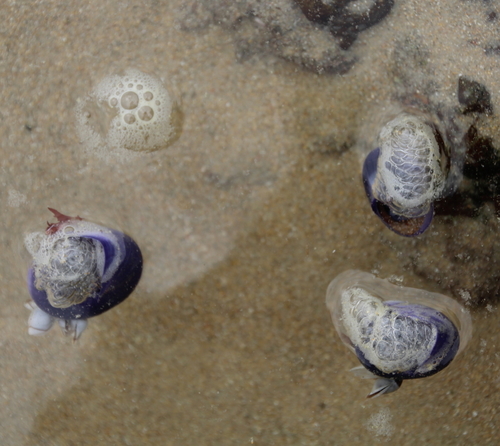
474, 96
462, 255
343, 23
289, 29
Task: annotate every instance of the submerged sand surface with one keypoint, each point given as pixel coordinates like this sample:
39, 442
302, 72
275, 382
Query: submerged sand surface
243, 222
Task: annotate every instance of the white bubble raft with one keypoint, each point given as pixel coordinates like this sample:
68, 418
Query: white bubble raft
120, 113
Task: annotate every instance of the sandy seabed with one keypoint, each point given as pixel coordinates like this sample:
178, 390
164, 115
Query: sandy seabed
243, 222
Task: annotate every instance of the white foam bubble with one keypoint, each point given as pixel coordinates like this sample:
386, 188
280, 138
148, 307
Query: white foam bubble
16, 198
380, 423
133, 112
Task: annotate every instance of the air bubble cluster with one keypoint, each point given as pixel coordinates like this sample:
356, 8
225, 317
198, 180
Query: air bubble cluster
139, 110
411, 171
68, 266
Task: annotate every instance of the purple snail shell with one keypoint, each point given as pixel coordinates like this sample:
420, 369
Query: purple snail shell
406, 174
397, 333
79, 270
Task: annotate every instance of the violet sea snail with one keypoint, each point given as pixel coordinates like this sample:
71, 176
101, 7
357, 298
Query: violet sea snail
79, 270
397, 333
406, 173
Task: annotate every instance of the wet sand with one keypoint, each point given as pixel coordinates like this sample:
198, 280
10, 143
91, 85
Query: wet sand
243, 222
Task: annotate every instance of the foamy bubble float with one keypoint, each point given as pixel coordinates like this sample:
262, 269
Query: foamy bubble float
133, 111
406, 174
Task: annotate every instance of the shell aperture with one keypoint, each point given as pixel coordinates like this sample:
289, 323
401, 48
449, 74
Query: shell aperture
405, 174
397, 333
80, 269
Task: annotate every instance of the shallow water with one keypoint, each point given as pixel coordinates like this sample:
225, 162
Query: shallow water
243, 222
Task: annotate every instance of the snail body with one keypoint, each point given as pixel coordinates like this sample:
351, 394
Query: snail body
406, 173
80, 269
397, 333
